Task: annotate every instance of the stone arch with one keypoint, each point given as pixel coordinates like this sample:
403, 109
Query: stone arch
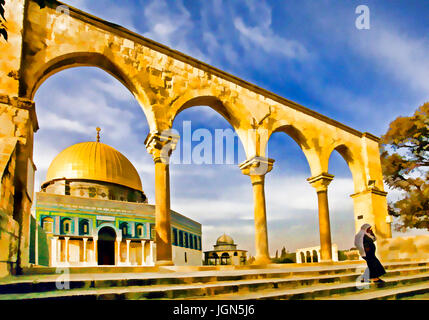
352, 156
73, 60
35, 78
308, 145
302, 256
315, 256
106, 246
308, 257
203, 98
48, 224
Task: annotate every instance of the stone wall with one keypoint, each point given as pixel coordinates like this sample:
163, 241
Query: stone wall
17, 124
9, 228
413, 248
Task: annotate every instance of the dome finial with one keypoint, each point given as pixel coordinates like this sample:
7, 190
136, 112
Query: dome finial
98, 133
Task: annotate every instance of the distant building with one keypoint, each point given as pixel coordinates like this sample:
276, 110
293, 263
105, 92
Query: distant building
92, 211
225, 252
312, 254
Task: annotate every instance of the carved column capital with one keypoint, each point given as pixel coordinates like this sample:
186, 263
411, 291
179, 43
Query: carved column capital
257, 166
321, 181
160, 145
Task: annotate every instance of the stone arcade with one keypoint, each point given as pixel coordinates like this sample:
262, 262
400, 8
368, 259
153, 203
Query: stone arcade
164, 82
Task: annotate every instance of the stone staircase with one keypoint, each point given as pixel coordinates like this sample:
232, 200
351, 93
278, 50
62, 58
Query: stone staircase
308, 281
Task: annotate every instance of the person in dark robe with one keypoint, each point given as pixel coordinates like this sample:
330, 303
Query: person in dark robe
364, 241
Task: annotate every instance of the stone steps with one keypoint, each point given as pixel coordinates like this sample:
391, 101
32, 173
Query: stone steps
274, 283
320, 291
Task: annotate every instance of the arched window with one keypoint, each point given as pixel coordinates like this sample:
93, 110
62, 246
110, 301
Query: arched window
214, 259
186, 240
140, 231
308, 255
235, 254
84, 227
191, 241
48, 224
225, 259
315, 258
180, 238
124, 228
175, 242
66, 226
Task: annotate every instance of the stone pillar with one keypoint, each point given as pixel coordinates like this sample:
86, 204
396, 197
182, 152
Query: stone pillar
143, 253
320, 183
127, 260
84, 250
370, 206
95, 245
118, 252
150, 258
66, 254
256, 168
160, 145
18, 123
54, 242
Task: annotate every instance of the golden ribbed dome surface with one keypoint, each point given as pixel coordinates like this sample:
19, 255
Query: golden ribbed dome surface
94, 161
224, 239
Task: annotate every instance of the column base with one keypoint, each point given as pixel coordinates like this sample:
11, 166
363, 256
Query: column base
262, 261
327, 261
164, 263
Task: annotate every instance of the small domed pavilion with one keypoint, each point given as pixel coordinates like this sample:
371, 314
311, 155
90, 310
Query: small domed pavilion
225, 252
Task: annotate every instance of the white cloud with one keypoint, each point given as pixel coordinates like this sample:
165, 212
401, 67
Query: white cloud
264, 38
402, 56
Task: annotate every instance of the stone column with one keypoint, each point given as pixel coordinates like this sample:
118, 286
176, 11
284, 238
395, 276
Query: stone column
118, 252
54, 242
95, 244
143, 253
256, 168
160, 145
84, 250
150, 258
66, 254
320, 183
127, 260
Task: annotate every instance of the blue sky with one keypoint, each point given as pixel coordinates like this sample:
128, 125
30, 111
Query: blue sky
307, 51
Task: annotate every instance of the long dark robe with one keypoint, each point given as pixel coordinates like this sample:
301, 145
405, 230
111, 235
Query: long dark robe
376, 269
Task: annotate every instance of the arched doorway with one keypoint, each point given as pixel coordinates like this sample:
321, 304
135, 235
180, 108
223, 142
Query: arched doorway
106, 246
225, 259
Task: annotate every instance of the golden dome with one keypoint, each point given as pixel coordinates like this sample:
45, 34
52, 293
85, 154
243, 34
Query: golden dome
94, 161
224, 239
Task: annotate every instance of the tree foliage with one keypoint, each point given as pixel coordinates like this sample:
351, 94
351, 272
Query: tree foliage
405, 162
3, 28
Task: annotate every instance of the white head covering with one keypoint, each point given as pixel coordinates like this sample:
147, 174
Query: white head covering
359, 238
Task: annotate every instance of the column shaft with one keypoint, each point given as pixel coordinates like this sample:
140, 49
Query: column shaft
95, 239
261, 234
162, 214
66, 258
324, 226
118, 253
128, 252
143, 255
84, 249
